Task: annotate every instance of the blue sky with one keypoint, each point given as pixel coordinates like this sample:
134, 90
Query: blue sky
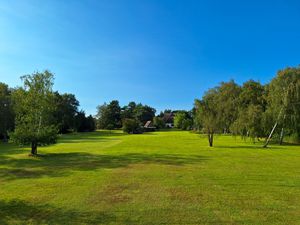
164, 53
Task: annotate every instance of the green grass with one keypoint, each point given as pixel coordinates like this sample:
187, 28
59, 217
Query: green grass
154, 178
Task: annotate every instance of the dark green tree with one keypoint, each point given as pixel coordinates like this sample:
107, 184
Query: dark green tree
66, 110
6, 111
109, 115
128, 112
159, 123
144, 113
131, 126
83, 123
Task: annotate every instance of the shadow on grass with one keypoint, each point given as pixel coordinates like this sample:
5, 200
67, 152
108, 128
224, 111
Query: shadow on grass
97, 136
62, 164
248, 147
21, 212
290, 144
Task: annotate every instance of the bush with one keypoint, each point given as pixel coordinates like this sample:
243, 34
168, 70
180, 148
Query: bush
131, 126
159, 123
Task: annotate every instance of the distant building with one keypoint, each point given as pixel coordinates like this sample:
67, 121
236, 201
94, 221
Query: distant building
149, 126
169, 119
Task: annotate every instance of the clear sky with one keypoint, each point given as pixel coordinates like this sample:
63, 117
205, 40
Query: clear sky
164, 53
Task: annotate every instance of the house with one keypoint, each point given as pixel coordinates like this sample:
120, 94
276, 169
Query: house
169, 119
149, 126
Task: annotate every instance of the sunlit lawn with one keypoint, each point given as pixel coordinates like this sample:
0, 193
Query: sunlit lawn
154, 178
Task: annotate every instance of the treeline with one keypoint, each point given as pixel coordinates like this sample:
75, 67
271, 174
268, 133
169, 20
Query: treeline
134, 116
131, 117
253, 110
26, 110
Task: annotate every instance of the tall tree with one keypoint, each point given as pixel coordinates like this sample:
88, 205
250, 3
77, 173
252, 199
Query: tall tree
6, 111
158, 122
34, 107
251, 111
144, 113
208, 113
128, 111
183, 120
228, 97
66, 110
109, 115
284, 101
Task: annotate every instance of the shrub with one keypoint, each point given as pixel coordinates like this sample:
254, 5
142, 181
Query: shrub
131, 126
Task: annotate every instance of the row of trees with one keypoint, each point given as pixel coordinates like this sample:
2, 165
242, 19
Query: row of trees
34, 114
252, 110
112, 115
134, 116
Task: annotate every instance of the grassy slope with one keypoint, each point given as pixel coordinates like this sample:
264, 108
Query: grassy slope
155, 178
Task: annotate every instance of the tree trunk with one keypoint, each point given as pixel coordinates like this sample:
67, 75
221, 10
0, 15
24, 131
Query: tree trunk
33, 148
210, 139
270, 136
281, 136
5, 138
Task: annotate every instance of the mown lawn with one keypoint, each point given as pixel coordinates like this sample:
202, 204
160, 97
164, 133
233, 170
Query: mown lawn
154, 178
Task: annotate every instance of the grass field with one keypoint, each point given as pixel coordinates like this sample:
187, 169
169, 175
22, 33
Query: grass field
154, 178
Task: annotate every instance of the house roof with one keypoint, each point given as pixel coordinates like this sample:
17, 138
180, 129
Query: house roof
149, 124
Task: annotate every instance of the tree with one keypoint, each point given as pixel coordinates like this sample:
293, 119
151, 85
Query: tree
6, 111
250, 122
83, 123
34, 107
228, 101
128, 112
251, 111
66, 110
159, 123
209, 114
284, 101
80, 121
252, 93
131, 126
91, 123
183, 120
144, 113
109, 115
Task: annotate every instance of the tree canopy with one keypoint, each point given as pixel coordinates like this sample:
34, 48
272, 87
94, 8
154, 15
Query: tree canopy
34, 108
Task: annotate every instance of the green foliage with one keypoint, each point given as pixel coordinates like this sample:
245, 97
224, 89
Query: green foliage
252, 119
183, 120
109, 114
144, 113
112, 114
34, 107
66, 110
227, 102
249, 123
83, 123
284, 100
6, 111
158, 122
131, 126
209, 114
128, 112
